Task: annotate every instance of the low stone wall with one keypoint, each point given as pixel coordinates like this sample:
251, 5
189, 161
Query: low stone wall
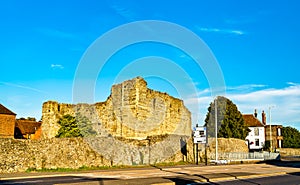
225, 146
19, 155
290, 151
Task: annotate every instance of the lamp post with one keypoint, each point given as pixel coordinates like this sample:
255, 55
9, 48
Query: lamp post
270, 120
216, 128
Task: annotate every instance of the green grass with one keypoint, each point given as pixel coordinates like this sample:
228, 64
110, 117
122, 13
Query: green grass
173, 163
82, 168
86, 168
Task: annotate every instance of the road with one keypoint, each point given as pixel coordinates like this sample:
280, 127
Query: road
279, 173
291, 179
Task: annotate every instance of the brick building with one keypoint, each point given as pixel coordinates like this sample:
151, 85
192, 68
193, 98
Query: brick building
26, 129
275, 137
7, 122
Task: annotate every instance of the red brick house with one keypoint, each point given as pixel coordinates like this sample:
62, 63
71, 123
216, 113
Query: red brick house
26, 129
7, 122
275, 138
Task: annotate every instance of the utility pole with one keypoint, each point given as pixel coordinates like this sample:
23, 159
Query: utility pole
197, 154
216, 128
271, 141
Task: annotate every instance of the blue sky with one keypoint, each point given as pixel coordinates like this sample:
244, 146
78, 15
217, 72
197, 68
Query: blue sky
254, 42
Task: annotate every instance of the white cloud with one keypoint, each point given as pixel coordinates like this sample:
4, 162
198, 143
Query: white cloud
57, 33
222, 31
57, 66
286, 102
123, 10
292, 83
245, 87
21, 86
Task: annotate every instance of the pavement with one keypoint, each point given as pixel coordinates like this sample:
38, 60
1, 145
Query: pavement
156, 175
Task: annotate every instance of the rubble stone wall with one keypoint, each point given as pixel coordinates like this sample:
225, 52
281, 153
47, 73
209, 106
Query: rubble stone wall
20, 155
289, 151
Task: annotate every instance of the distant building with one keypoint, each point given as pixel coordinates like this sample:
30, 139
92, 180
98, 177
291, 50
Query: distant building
7, 122
26, 129
256, 137
276, 136
18, 129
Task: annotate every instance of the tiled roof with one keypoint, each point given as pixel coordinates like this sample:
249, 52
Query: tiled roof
252, 121
4, 110
28, 127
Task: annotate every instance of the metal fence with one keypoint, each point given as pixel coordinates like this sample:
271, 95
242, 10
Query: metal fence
247, 156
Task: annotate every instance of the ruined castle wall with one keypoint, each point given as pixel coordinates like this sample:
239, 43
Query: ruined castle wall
20, 155
131, 111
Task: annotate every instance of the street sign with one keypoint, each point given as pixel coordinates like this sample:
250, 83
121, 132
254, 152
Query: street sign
200, 135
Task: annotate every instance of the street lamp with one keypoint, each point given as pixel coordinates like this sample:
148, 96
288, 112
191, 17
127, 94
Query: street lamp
270, 127
216, 128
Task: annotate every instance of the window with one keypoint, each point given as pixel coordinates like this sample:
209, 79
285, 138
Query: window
279, 143
256, 131
279, 132
256, 142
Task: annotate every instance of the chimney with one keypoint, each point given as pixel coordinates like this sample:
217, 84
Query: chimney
263, 115
255, 113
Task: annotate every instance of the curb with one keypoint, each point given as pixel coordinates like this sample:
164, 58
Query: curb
32, 176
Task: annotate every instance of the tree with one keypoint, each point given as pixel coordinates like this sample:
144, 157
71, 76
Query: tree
230, 122
71, 126
28, 118
290, 137
31, 119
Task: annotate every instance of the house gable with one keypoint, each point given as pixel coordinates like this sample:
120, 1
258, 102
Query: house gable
7, 122
4, 110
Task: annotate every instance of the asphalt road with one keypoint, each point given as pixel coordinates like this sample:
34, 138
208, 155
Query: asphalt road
289, 179
271, 173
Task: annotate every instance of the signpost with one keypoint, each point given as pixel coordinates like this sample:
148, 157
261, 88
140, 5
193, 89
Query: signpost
200, 136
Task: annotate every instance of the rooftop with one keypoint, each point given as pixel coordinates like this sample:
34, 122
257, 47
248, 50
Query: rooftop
4, 110
28, 127
252, 121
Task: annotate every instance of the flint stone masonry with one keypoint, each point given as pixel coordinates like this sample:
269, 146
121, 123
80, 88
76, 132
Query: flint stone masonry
131, 111
290, 151
20, 155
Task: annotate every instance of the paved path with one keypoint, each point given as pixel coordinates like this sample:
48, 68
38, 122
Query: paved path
165, 175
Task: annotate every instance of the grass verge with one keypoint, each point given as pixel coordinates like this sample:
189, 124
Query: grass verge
86, 168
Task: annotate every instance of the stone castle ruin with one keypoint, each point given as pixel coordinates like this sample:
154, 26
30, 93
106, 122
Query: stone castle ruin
132, 111
135, 125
